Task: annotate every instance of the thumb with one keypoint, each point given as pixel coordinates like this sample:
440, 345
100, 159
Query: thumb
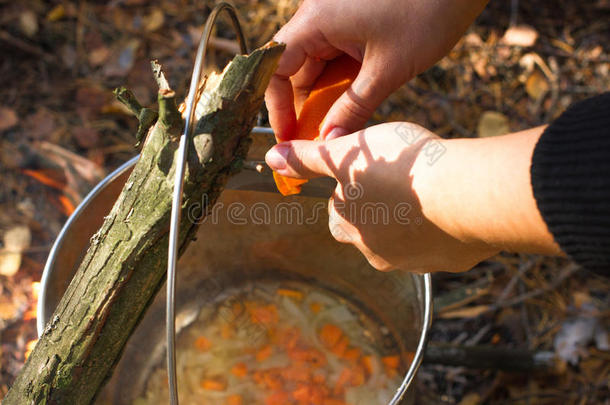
301, 159
356, 105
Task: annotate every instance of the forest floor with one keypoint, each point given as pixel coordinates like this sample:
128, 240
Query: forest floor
520, 65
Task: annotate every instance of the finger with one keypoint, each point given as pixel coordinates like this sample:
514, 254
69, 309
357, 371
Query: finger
308, 159
304, 80
349, 113
279, 101
279, 96
300, 159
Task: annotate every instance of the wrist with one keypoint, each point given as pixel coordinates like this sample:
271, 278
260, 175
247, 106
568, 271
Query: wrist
480, 192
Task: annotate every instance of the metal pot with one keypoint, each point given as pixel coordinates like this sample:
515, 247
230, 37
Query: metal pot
274, 237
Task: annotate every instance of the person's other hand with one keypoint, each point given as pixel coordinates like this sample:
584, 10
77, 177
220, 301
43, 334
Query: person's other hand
382, 177
393, 39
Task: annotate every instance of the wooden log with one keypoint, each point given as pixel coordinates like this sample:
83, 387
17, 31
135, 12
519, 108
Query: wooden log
125, 263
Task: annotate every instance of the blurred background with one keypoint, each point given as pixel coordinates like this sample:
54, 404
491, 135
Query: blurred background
520, 65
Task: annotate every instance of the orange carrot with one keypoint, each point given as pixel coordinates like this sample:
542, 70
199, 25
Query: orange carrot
296, 372
330, 335
336, 78
264, 353
286, 292
278, 398
315, 307
202, 344
272, 379
266, 314
313, 357
342, 381
349, 377
358, 377
352, 354
309, 394
391, 361
288, 338
340, 347
239, 370
367, 362
410, 356
234, 399
213, 385
301, 394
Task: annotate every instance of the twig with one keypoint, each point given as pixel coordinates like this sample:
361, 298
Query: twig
26, 47
493, 358
565, 273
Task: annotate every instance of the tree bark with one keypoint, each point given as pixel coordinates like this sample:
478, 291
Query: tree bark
125, 263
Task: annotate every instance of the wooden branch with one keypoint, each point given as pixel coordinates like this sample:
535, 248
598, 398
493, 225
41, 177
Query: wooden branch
126, 261
494, 358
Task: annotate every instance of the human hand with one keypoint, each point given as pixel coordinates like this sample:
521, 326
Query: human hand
382, 181
393, 39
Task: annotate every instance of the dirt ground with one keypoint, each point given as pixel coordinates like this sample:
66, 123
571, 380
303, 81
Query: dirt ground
520, 65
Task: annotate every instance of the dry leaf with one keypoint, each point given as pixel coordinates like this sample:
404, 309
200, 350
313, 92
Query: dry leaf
492, 123
154, 21
470, 399
122, 60
41, 124
520, 35
8, 118
465, 312
98, 56
86, 137
577, 332
56, 13
473, 39
536, 85
28, 23
16, 240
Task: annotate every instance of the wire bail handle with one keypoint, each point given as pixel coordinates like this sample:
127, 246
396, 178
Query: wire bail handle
172, 256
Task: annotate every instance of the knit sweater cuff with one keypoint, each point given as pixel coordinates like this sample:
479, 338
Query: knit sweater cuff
570, 176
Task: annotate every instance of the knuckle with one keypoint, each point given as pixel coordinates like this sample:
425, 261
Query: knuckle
295, 158
356, 107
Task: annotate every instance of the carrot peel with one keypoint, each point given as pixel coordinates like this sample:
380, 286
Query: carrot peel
336, 78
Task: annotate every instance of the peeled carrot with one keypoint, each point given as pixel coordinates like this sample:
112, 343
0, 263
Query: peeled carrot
272, 380
330, 335
286, 292
202, 344
296, 372
278, 398
336, 78
352, 354
315, 307
264, 353
239, 370
367, 362
213, 385
234, 399
391, 361
265, 314
309, 394
312, 356
340, 348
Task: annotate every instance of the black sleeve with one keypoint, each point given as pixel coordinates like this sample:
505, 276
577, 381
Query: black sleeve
571, 181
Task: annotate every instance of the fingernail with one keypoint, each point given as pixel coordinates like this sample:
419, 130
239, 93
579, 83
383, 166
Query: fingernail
276, 157
336, 132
